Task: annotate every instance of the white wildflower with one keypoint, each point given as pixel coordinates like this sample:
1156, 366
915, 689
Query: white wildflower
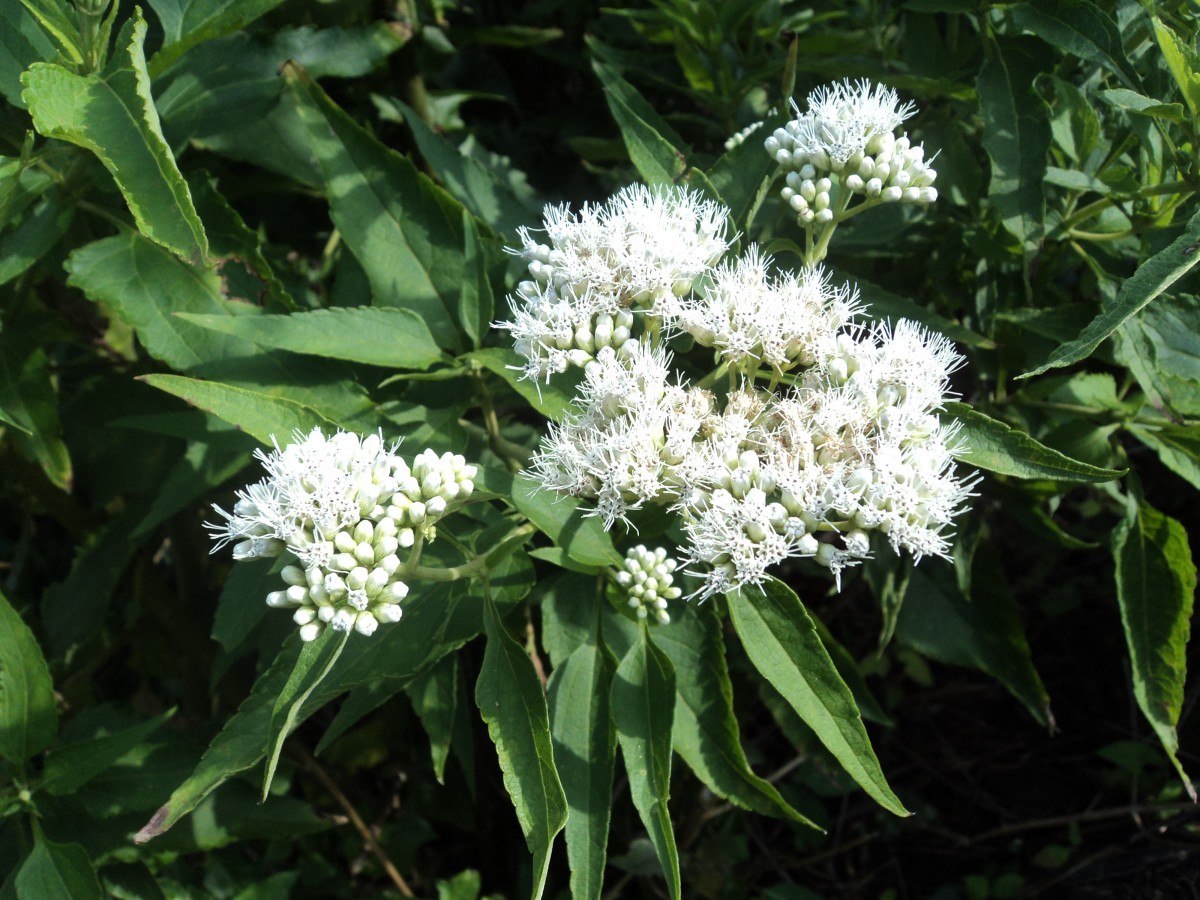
648, 581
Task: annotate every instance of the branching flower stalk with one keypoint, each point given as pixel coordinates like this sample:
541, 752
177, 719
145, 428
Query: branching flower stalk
852, 448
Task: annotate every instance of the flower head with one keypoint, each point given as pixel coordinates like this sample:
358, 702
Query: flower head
344, 506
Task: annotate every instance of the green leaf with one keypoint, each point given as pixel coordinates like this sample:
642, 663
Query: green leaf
394, 338
510, 699
30, 401
548, 399
28, 719
1184, 63
992, 445
784, 646
848, 668
187, 23
113, 116
560, 517
742, 175
33, 237
657, 160
22, 43
434, 696
476, 305
242, 603
468, 179
705, 730
1152, 277
1080, 29
1178, 446
982, 632
643, 702
1161, 346
1017, 138
1156, 587
585, 754
316, 660
70, 767
57, 870
405, 231
263, 417
144, 286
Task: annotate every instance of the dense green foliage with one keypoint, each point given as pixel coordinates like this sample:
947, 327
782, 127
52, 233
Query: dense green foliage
225, 220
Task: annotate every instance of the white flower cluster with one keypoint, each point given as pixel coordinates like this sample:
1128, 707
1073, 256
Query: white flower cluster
641, 250
648, 581
848, 135
345, 506
757, 477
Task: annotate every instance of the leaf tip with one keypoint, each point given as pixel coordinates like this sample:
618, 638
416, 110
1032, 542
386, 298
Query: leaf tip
156, 826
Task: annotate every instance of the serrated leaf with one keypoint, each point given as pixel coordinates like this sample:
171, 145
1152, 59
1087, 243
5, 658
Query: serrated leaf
144, 285
1156, 588
561, 518
1081, 29
1017, 138
781, 641
1183, 62
114, 117
28, 718
705, 731
394, 338
261, 416
510, 699
643, 703
585, 754
990, 444
1178, 446
981, 632
405, 231
1152, 277
187, 23
57, 870
657, 160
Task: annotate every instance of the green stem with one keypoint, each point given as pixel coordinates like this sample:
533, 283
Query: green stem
473, 567
492, 423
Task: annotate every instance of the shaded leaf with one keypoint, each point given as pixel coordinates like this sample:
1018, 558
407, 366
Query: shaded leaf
510, 699
1080, 29
657, 160
187, 23
1156, 588
30, 402
28, 718
57, 870
71, 766
434, 696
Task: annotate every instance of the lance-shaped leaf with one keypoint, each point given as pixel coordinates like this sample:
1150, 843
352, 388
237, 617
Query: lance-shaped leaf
394, 338
187, 23
657, 160
1156, 588
511, 701
28, 720
562, 518
1080, 28
1017, 138
585, 753
404, 230
259, 415
1153, 277
548, 399
705, 731
643, 704
991, 444
434, 697
781, 641
113, 115
30, 402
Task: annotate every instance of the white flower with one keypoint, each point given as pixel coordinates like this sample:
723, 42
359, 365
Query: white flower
639, 251
647, 580
746, 314
346, 507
